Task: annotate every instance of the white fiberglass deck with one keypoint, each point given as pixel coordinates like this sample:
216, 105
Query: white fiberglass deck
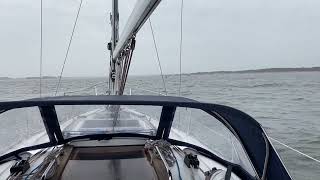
102, 121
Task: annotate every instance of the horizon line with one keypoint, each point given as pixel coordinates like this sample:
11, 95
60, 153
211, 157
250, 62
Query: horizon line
261, 70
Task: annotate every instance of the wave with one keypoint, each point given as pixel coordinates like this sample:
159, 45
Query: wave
298, 99
269, 85
264, 85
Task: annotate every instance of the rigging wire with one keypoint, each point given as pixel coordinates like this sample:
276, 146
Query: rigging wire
126, 65
295, 150
178, 167
180, 48
158, 58
33, 171
41, 44
68, 48
180, 56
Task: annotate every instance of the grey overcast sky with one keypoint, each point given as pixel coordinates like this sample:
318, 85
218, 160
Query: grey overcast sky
217, 35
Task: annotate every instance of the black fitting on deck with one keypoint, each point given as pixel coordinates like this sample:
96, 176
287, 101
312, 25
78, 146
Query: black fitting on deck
20, 166
191, 160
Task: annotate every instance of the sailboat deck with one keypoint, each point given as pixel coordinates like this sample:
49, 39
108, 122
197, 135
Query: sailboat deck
102, 120
129, 162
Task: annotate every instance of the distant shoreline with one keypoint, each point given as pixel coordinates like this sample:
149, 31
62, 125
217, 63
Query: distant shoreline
4, 78
43, 77
265, 70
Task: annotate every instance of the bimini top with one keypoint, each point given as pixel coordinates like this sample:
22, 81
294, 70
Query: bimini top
248, 131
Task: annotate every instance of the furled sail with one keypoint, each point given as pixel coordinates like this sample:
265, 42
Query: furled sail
122, 48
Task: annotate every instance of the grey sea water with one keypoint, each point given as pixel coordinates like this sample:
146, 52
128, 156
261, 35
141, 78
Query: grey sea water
287, 104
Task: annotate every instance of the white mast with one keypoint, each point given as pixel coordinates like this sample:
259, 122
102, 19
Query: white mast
122, 48
114, 18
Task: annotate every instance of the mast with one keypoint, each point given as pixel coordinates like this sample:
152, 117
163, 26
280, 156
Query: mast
121, 49
114, 18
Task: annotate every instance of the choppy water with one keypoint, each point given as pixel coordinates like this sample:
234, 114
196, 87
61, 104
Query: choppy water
286, 104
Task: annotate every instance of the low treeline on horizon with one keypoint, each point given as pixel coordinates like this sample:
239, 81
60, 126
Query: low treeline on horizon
265, 70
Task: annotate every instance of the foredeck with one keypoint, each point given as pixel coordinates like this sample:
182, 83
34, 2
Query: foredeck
103, 120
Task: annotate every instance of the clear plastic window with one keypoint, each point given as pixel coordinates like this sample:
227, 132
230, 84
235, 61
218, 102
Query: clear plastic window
79, 120
200, 128
21, 128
